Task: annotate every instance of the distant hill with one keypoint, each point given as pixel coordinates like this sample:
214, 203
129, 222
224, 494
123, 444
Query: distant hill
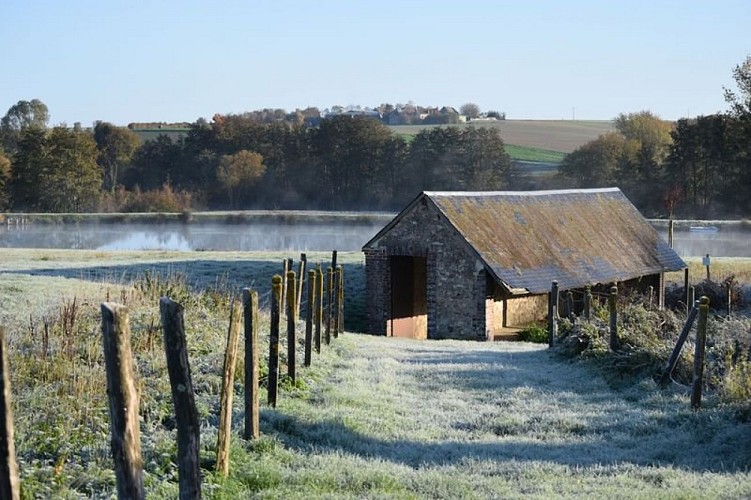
553, 138
562, 136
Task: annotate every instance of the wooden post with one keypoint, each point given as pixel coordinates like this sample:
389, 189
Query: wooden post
276, 298
691, 294
333, 259
569, 304
671, 229
588, 303
227, 393
729, 296
673, 360
291, 325
285, 270
301, 282
335, 293
318, 309
123, 401
685, 289
183, 399
312, 285
613, 303
651, 292
329, 305
553, 314
340, 317
252, 365
701, 340
10, 487
706, 261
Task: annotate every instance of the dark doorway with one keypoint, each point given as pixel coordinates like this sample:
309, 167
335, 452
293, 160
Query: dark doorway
409, 304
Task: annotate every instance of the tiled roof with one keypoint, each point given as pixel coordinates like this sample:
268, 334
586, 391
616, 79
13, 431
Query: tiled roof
578, 237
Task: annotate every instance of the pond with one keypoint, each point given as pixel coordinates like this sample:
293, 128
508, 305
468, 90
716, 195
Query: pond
298, 234
254, 236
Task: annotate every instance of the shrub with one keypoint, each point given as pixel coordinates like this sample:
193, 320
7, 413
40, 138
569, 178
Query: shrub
534, 333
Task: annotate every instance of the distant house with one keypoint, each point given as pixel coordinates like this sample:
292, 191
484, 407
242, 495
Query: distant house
469, 265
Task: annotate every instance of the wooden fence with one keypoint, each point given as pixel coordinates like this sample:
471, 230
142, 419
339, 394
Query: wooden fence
121, 383
700, 309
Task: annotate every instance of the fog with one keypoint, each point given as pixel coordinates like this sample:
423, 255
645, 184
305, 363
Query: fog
274, 236
308, 236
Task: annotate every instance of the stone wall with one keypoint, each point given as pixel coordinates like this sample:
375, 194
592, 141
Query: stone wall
456, 280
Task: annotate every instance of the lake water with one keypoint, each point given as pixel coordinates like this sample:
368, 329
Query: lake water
303, 236
308, 236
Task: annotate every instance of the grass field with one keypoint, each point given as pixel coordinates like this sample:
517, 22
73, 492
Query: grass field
524, 153
373, 417
562, 136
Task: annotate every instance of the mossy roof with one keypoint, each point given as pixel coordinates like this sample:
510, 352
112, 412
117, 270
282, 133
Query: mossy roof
577, 237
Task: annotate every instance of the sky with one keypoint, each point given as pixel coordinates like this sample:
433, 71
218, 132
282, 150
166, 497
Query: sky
175, 61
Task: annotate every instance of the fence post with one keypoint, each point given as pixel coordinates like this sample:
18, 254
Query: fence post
183, 399
309, 315
285, 270
123, 401
301, 282
671, 230
706, 261
318, 308
553, 314
569, 304
335, 293
729, 296
329, 305
227, 394
340, 322
673, 360
691, 294
9, 483
613, 303
588, 303
291, 325
276, 297
252, 392
685, 290
701, 340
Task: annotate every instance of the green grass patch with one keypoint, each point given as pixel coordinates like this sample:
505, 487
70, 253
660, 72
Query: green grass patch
524, 153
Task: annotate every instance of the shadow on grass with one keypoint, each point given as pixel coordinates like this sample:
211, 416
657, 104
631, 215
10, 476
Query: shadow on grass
230, 276
523, 412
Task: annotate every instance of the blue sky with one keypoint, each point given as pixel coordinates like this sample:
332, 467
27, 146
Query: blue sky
140, 60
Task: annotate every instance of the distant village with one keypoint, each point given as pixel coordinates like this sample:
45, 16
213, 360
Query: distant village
399, 114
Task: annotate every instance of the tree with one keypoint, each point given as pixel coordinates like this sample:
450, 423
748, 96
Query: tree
116, 147
72, 180
4, 179
238, 172
740, 104
56, 171
596, 163
647, 145
28, 165
470, 110
155, 164
20, 116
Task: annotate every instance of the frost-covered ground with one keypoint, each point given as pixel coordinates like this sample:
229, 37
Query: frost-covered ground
392, 418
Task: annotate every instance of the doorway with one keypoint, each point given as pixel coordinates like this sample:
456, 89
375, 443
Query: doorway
409, 304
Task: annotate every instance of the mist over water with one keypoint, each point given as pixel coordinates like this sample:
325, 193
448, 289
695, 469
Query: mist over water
307, 236
299, 236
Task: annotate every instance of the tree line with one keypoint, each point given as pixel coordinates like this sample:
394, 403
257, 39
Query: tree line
698, 167
693, 168
235, 162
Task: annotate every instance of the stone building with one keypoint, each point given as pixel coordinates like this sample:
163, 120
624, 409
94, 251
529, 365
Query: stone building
473, 265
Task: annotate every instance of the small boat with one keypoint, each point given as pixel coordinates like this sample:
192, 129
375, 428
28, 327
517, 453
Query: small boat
704, 229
